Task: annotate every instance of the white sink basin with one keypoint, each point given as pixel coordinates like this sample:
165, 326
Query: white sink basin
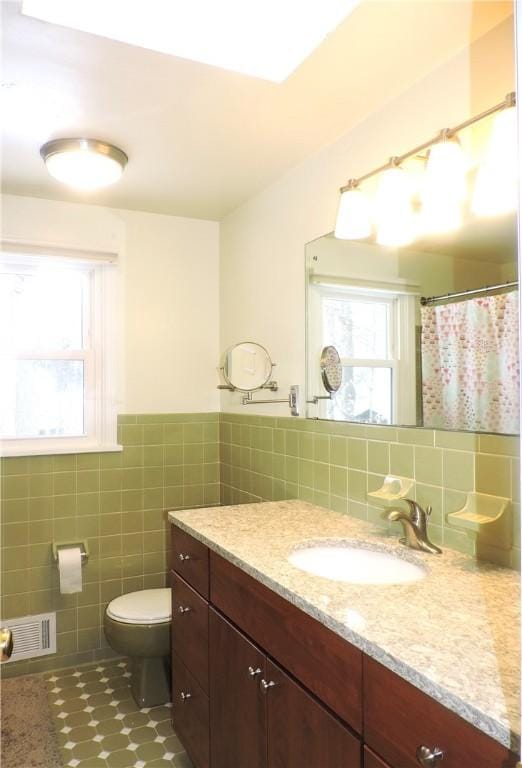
345, 561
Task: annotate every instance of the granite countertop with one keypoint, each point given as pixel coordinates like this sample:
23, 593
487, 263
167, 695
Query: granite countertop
454, 634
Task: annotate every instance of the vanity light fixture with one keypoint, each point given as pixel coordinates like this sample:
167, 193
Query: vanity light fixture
495, 190
393, 207
444, 186
354, 215
85, 164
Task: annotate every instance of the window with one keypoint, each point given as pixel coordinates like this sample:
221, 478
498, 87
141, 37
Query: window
373, 331
56, 354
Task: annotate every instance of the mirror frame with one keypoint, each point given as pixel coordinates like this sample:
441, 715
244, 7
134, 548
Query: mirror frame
225, 372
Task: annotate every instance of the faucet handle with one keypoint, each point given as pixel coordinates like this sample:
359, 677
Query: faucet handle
429, 510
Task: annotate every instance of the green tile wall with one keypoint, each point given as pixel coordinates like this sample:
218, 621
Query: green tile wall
118, 503
334, 465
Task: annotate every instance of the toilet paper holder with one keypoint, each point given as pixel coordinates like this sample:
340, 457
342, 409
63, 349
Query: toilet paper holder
84, 549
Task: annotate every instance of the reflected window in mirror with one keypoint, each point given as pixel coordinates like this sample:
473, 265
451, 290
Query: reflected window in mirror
453, 367
374, 333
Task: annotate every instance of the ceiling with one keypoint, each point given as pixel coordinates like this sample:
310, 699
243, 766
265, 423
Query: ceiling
201, 140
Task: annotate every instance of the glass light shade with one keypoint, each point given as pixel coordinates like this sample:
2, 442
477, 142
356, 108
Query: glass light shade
85, 164
495, 190
353, 216
444, 188
446, 172
394, 215
83, 169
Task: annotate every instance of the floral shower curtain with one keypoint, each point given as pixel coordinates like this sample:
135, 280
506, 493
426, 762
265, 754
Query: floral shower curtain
470, 364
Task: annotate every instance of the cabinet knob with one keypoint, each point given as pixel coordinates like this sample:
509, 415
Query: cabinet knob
184, 609
183, 557
429, 758
254, 672
185, 696
266, 684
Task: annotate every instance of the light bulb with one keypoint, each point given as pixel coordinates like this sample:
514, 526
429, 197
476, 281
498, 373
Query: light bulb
353, 216
393, 208
495, 190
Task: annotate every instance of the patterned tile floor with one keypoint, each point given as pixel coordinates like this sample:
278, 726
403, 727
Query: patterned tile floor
100, 726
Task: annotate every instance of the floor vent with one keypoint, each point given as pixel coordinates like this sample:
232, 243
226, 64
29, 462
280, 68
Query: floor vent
33, 636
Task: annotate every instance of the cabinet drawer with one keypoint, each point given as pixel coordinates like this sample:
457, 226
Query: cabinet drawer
190, 629
398, 718
372, 761
325, 663
189, 558
190, 714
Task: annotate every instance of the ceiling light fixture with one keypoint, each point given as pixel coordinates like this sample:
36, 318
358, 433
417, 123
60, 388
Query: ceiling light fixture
85, 164
444, 187
262, 38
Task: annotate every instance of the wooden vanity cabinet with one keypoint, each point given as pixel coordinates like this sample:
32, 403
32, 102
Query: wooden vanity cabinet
271, 687
262, 718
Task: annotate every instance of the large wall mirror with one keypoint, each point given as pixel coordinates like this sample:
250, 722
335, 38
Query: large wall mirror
427, 333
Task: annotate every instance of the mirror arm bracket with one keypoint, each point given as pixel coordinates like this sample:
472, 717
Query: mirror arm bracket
273, 386
292, 400
316, 398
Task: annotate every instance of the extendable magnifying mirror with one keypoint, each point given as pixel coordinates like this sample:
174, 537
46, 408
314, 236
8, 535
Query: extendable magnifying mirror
331, 373
247, 367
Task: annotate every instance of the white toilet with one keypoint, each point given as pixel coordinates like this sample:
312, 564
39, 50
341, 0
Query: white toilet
138, 625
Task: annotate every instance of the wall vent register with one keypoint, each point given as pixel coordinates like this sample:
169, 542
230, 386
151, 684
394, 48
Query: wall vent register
33, 636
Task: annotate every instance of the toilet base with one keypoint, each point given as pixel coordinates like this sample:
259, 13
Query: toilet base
150, 680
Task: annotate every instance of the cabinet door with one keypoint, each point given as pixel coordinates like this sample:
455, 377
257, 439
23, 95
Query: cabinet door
301, 732
237, 706
372, 761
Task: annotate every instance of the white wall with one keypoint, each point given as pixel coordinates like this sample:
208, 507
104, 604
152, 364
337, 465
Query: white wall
168, 295
262, 243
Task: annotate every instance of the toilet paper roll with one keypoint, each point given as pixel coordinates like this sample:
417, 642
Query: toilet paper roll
70, 568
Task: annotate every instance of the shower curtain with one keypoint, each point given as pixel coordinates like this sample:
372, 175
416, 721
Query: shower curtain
470, 364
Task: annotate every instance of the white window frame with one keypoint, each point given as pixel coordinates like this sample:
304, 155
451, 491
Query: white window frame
401, 344
98, 355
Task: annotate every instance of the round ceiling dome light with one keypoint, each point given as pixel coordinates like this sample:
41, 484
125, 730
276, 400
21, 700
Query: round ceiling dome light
86, 164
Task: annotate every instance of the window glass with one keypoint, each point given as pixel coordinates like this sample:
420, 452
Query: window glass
42, 311
42, 398
365, 396
357, 328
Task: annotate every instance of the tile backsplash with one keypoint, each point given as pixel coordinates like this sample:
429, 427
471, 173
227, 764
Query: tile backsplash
335, 465
118, 501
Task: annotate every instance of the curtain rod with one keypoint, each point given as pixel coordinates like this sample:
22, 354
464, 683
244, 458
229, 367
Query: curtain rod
509, 101
488, 288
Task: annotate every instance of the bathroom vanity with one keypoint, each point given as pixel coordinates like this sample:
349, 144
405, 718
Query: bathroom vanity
279, 668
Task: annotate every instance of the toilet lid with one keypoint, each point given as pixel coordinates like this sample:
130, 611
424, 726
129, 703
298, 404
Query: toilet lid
147, 606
